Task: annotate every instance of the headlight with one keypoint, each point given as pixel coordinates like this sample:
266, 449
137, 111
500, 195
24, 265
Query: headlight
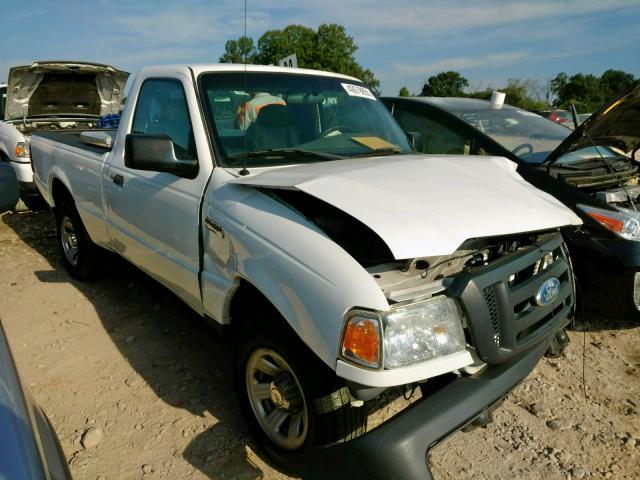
405, 335
420, 331
22, 149
624, 222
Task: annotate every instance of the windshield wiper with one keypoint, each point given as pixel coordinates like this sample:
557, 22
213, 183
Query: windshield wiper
285, 153
380, 151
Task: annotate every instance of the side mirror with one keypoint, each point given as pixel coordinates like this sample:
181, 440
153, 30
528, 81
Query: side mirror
9, 191
155, 153
416, 139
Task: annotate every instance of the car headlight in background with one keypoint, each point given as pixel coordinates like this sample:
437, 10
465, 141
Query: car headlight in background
405, 335
624, 223
22, 149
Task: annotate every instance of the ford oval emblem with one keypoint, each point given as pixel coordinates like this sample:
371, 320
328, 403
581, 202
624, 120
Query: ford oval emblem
548, 292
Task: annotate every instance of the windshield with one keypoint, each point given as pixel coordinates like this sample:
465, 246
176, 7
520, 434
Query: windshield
269, 119
588, 153
528, 135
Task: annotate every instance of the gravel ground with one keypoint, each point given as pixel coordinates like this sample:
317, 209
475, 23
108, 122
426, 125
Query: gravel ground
138, 386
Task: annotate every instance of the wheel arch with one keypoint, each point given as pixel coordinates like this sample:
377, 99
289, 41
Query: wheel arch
244, 300
59, 191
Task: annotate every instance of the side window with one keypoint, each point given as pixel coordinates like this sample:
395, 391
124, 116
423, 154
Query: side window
3, 101
437, 138
162, 109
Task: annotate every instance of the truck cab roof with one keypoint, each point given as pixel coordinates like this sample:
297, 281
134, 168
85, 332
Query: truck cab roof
199, 68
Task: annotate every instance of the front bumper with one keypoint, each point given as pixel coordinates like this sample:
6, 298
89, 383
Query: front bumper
398, 449
605, 251
23, 170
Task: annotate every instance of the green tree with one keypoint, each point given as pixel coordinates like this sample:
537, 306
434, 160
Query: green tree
589, 92
481, 94
235, 51
328, 48
445, 84
517, 94
559, 84
616, 83
276, 44
404, 92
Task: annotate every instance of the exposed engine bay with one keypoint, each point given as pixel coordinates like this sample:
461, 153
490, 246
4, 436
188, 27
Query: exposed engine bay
420, 277
593, 174
26, 128
601, 156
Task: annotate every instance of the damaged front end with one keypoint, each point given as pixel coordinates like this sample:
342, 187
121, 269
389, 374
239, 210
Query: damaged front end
493, 284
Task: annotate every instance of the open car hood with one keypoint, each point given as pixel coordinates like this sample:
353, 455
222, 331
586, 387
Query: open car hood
425, 205
615, 125
63, 88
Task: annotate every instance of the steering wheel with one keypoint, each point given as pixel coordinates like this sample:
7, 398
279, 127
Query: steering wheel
522, 146
337, 128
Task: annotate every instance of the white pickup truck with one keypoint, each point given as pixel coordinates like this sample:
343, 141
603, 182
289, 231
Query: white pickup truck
287, 206
52, 95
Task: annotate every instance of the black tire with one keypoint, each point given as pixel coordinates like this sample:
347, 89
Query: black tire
87, 263
331, 418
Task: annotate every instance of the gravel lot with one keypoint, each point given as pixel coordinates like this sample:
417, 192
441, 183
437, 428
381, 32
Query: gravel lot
138, 386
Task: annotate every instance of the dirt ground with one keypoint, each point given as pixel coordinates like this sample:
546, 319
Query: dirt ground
124, 363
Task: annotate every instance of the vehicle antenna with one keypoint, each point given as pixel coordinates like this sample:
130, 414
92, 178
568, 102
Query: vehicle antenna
244, 170
574, 116
579, 314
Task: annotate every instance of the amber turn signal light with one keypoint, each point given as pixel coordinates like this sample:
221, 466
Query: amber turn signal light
361, 341
612, 224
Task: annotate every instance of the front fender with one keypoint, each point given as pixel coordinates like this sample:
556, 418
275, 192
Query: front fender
306, 276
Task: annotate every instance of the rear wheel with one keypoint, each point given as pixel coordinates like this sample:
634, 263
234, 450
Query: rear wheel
291, 400
81, 257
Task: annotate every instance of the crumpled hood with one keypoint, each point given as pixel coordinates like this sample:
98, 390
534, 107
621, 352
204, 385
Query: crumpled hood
423, 205
57, 88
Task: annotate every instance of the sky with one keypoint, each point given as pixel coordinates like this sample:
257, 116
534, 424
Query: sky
403, 42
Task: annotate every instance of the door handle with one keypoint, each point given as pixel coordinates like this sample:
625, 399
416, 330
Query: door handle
117, 179
214, 227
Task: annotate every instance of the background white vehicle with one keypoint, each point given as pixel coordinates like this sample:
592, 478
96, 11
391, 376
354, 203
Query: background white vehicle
341, 262
52, 95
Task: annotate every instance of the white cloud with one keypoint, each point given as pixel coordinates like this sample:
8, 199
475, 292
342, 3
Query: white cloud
437, 16
460, 63
181, 26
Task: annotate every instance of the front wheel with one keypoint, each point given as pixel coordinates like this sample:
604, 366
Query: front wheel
81, 257
277, 399
292, 401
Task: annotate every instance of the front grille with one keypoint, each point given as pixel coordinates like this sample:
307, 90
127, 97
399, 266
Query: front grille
494, 312
500, 304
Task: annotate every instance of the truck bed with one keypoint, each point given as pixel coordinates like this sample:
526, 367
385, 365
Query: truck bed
72, 138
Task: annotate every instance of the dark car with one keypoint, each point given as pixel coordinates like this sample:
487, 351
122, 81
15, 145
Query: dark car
593, 170
29, 447
9, 192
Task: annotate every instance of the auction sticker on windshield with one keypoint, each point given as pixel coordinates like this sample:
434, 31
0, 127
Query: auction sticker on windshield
358, 91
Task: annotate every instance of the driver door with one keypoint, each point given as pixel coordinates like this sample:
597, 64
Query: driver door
154, 216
